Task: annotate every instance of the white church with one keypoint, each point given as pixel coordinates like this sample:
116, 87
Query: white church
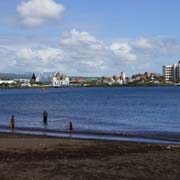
59, 80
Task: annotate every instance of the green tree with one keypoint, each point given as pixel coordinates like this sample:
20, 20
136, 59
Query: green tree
33, 77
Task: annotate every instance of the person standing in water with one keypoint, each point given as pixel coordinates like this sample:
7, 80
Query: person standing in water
12, 123
70, 125
45, 117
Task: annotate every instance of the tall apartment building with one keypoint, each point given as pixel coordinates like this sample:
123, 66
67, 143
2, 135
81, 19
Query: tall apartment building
171, 72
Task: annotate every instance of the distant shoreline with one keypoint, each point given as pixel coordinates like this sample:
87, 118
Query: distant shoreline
51, 87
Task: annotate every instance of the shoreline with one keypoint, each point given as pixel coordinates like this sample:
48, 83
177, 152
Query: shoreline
146, 137
103, 86
51, 158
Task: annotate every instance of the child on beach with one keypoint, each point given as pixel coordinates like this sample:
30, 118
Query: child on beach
12, 123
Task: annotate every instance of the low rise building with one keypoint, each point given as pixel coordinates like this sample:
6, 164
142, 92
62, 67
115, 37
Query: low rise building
10, 82
76, 81
25, 83
112, 80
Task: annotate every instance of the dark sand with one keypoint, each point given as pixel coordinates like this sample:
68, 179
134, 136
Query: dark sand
44, 158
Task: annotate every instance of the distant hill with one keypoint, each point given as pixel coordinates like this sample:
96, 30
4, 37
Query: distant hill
15, 76
43, 76
85, 78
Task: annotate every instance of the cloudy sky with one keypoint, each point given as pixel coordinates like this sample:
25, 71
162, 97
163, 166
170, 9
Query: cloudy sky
88, 37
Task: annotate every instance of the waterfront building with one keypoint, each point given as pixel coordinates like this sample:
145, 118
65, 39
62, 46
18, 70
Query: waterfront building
59, 80
123, 76
37, 78
76, 81
168, 72
10, 82
177, 72
44, 77
171, 72
25, 83
113, 80
108, 80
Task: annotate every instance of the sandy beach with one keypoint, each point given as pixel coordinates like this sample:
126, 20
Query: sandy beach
28, 157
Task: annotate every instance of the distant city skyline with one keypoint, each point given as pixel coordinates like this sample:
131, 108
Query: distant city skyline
88, 38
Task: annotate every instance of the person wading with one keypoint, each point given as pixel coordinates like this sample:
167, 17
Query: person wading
12, 123
70, 125
45, 117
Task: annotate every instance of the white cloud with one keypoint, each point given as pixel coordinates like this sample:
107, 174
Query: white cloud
39, 60
155, 48
124, 51
35, 12
85, 53
40, 57
143, 43
8, 60
81, 53
75, 37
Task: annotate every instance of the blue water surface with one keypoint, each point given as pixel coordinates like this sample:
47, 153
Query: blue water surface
122, 109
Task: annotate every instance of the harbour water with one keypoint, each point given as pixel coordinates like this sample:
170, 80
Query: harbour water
110, 110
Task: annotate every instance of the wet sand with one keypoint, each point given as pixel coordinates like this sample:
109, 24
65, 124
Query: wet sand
28, 157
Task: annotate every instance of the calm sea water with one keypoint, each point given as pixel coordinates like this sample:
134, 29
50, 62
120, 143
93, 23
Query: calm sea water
127, 109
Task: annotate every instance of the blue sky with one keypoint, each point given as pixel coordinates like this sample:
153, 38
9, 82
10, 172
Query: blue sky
89, 37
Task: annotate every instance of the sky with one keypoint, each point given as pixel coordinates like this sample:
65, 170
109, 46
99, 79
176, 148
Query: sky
89, 37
